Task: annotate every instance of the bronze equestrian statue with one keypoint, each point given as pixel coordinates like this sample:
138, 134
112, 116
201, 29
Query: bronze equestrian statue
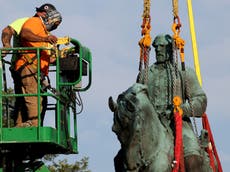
143, 117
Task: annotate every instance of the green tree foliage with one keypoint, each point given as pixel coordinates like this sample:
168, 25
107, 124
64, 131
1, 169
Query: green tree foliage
64, 166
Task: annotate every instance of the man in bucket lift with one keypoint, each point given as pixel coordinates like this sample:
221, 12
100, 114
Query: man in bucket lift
35, 33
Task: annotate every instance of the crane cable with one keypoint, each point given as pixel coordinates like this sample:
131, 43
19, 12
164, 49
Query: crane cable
145, 42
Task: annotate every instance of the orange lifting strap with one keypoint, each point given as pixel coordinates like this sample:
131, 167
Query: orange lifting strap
146, 39
179, 42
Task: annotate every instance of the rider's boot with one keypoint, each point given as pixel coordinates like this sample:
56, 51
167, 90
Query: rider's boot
193, 163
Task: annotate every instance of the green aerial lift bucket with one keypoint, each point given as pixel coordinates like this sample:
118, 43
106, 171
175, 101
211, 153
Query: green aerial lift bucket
20, 147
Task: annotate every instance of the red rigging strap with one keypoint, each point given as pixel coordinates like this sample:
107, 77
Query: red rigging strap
178, 163
212, 148
178, 148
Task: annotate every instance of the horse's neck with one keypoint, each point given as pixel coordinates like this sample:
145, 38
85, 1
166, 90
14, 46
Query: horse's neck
157, 143
155, 131
149, 141
156, 135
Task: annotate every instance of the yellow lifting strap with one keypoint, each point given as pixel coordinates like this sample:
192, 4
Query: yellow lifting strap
194, 44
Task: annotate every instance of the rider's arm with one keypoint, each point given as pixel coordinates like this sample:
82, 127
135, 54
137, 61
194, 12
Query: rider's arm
197, 97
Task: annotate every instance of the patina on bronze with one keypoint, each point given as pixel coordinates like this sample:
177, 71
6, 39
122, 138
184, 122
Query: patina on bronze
143, 117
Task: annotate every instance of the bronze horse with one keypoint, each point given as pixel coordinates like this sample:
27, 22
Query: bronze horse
146, 145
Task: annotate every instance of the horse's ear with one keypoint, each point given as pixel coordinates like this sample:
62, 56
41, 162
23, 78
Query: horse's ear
112, 104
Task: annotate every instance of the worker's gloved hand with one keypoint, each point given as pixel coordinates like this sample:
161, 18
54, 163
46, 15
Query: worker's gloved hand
51, 39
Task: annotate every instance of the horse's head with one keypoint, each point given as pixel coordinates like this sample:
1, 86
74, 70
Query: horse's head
128, 104
140, 132
131, 110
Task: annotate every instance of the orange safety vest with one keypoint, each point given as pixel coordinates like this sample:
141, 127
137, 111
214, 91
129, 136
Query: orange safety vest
37, 27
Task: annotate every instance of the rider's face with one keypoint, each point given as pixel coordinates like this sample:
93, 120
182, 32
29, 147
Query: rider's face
161, 53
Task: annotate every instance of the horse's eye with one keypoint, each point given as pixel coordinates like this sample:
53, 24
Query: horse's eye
130, 106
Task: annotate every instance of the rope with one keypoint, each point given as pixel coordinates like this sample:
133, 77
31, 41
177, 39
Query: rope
145, 42
146, 64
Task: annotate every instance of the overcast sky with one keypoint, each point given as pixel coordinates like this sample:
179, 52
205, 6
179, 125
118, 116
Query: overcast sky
111, 29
